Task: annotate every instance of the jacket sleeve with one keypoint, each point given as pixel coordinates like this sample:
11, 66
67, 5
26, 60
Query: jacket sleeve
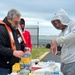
68, 38
28, 40
5, 48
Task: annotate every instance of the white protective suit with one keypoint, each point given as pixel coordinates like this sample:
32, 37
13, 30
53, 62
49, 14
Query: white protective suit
67, 37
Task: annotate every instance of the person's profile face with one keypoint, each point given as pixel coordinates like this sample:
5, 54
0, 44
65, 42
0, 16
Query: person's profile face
15, 22
57, 24
22, 26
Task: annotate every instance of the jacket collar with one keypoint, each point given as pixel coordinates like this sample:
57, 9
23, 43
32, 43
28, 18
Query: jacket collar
6, 21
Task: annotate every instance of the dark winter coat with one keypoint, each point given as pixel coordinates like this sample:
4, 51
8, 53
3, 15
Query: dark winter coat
6, 53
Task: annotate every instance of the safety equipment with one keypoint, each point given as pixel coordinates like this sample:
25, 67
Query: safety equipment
11, 35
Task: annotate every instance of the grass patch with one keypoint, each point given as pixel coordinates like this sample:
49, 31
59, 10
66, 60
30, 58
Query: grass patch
36, 52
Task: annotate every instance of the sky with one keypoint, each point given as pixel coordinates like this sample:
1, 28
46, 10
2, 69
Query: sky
38, 12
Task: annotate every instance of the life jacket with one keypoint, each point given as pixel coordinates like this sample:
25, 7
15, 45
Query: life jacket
11, 35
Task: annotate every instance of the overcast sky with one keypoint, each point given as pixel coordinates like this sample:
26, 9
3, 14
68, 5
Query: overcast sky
41, 11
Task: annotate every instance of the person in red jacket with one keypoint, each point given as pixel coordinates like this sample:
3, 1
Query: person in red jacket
26, 35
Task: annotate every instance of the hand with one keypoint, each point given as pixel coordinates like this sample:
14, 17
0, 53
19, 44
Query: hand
26, 49
18, 54
54, 43
53, 48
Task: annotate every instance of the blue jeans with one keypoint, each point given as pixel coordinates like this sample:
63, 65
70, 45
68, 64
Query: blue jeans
4, 71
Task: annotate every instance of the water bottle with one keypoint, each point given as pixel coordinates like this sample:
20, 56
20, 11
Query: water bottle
26, 60
56, 70
27, 54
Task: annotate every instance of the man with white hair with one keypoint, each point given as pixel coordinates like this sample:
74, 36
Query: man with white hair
66, 40
11, 48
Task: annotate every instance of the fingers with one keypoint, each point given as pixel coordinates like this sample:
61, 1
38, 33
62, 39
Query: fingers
18, 54
21, 54
53, 50
27, 49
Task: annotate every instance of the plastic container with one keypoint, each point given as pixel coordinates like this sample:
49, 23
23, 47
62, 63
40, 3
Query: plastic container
48, 68
16, 67
33, 68
27, 57
54, 67
26, 60
24, 72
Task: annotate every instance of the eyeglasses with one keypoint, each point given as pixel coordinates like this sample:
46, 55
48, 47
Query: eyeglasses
16, 22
